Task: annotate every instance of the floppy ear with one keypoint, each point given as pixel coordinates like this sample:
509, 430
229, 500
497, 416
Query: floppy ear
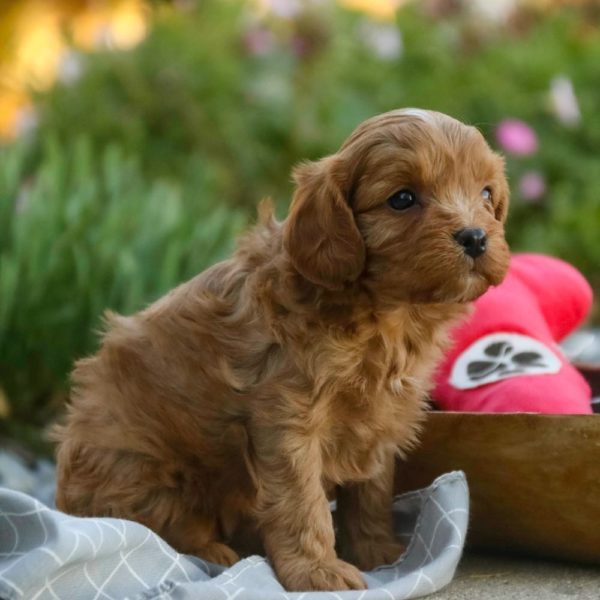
320, 234
502, 210
504, 193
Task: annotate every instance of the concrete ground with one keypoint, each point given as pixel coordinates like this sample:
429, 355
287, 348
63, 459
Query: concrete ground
481, 577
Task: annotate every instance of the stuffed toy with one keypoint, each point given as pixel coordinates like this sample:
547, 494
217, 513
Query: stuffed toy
505, 357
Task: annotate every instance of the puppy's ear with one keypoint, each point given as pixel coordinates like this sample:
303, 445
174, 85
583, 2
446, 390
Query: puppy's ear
501, 211
502, 208
320, 234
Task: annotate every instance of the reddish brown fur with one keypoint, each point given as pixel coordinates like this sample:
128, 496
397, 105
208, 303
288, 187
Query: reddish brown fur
301, 363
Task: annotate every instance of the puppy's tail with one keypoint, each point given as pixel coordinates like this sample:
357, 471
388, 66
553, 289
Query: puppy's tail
266, 213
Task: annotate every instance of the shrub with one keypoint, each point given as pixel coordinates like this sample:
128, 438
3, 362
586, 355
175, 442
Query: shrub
248, 98
73, 243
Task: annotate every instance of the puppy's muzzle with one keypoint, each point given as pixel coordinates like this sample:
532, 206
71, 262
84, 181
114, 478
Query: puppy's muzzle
473, 240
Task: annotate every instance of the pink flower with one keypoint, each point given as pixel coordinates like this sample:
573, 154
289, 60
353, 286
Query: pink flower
259, 41
532, 186
517, 137
300, 45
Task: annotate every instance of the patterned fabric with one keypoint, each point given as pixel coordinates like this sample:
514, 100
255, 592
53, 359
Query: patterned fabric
502, 355
47, 555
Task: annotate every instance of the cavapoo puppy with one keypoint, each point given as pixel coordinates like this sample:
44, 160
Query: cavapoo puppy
300, 365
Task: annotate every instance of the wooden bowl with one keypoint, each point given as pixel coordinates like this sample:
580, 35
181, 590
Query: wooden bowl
534, 479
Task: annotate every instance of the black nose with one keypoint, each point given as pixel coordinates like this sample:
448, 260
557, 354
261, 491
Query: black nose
473, 240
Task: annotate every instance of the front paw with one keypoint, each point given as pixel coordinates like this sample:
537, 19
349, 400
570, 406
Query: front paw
217, 553
367, 554
331, 575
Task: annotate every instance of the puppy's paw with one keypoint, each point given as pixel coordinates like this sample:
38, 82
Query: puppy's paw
332, 575
370, 553
218, 553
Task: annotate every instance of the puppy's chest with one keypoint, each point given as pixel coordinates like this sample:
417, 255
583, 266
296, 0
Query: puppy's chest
366, 418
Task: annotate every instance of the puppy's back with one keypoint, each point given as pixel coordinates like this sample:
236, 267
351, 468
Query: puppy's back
164, 387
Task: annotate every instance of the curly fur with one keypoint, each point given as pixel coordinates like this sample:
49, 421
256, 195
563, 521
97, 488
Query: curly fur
239, 400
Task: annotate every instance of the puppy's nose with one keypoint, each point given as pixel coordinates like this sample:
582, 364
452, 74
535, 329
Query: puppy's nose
473, 240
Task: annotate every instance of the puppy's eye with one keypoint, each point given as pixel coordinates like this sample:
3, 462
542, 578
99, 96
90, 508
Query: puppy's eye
402, 200
486, 193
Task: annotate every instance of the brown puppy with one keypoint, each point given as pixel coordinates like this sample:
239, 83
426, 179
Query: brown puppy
299, 364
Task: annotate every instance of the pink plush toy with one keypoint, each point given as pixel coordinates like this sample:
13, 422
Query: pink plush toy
505, 357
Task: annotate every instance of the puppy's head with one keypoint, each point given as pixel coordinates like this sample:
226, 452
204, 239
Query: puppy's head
413, 205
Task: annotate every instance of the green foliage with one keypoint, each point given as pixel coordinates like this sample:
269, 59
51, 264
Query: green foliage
193, 95
74, 242
142, 170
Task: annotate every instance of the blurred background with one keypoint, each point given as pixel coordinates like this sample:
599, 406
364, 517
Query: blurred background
137, 137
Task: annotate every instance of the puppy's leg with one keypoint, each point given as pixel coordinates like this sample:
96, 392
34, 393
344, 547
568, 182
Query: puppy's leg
197, 535
294, 517
100, 482
364, 517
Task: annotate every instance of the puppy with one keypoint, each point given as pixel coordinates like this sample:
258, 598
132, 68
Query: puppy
301, 364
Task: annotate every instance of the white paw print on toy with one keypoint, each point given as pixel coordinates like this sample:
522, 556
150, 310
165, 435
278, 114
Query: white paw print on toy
499, 356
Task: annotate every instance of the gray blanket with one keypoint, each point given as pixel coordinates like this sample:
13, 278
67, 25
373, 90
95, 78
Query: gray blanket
45, 554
